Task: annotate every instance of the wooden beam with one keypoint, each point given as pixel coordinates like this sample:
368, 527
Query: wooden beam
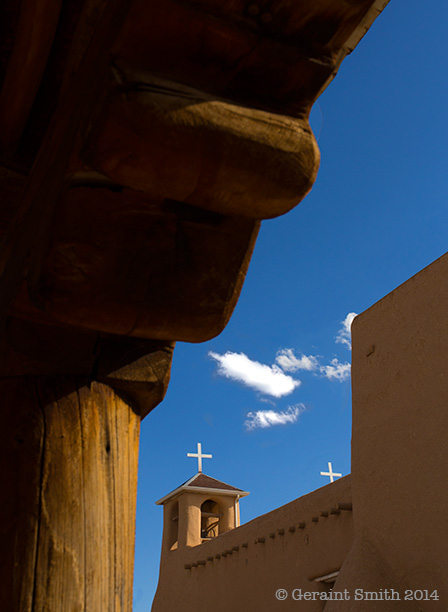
176, 142
140, 369
30, 225
32, 46
125, 264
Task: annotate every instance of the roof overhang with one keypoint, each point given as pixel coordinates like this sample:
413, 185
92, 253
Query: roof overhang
180, 490
186, 487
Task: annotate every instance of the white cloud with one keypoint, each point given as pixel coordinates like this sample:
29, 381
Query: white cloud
266, 400
266, 379
289, 362
344, 335
269, 418
336, 370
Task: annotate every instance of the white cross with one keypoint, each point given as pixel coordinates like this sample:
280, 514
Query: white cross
330, 473
200, 456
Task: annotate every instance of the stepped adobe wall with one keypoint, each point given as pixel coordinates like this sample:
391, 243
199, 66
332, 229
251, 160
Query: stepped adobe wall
243, 568
392, 548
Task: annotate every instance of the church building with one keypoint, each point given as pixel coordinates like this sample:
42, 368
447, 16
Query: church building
378, 534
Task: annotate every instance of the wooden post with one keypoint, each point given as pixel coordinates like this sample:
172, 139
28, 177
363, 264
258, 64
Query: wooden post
69, 480
68, 465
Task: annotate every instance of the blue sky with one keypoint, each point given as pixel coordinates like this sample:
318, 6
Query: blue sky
376, 215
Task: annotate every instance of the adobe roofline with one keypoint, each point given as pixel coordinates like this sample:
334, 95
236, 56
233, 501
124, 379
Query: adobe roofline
185, 487
180, 490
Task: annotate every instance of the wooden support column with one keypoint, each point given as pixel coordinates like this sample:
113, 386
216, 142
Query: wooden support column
69, 481
68, 474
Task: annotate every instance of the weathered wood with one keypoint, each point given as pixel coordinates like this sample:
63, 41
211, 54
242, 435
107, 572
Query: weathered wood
31, 222
99, 257
68, 464
138, 368
68, 478
179, 143
277, 58
200, 96
125, 264
32, 45
21, 446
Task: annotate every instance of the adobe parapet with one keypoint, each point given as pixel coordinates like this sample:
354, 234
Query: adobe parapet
299, 545
399, 448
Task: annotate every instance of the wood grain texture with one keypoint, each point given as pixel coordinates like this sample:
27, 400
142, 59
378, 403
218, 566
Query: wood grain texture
140, 369
179, 143
210, 110
125, 264
32, 45
275, 57
68, 516
21, 448
28, 229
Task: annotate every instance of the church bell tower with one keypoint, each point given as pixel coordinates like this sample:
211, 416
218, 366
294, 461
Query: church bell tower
200, 509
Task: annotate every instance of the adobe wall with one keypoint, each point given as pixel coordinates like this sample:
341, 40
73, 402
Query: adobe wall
399, 445
241, 570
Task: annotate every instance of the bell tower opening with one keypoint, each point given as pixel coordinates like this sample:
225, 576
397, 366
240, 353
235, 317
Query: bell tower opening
173, 530
210, 517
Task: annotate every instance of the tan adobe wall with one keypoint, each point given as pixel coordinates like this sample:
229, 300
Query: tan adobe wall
242, 569
399, 447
